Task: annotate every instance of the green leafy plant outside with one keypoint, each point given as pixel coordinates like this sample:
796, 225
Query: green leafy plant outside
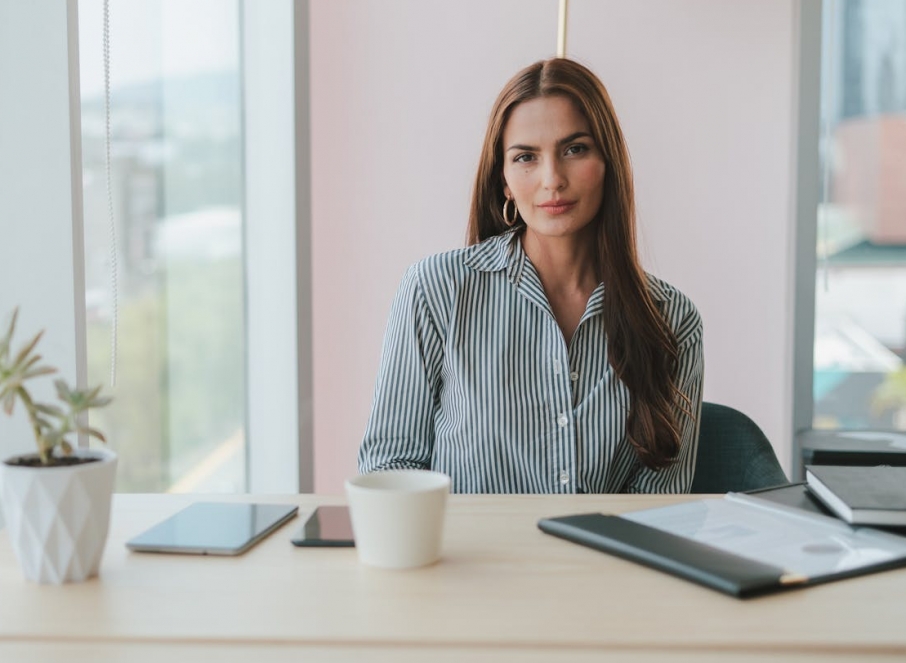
51, 424
891, 393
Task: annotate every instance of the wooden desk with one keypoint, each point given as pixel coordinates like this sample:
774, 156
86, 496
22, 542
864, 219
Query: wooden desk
504, 591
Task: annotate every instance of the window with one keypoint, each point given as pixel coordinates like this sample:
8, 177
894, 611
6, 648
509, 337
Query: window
176, 178
860, 298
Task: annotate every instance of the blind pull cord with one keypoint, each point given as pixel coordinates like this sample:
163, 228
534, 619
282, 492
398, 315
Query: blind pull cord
113, 264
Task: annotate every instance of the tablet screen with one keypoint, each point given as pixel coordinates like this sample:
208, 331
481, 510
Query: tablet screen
214, 528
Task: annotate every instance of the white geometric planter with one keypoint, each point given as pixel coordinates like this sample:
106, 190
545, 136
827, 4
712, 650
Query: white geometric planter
58, 517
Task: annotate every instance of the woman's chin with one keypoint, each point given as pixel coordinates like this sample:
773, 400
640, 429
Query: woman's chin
558, 228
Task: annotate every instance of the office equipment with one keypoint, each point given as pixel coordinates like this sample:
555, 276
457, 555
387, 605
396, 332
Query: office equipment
737, 544
213, 528
503, 592
861, 495
733, 453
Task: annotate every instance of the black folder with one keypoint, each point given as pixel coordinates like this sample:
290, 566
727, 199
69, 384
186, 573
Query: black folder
668, 552
683, 556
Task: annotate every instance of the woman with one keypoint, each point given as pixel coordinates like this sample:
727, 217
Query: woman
542, 358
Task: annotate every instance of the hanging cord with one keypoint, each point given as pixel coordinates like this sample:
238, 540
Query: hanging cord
113, 265
827, 151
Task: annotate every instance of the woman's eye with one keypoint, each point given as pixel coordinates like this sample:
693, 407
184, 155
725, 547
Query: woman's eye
578, 148
524, 158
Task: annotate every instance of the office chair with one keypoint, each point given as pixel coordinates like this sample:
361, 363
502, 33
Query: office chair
733, 453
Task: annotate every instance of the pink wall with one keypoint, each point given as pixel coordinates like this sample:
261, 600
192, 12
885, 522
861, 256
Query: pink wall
401, 90
704, 89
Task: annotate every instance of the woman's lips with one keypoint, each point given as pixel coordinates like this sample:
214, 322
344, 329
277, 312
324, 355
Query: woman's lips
558, 207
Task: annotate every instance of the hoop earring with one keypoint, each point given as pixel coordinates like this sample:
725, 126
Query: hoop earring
515, 212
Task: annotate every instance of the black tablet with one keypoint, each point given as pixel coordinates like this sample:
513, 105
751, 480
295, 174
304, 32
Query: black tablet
213, 528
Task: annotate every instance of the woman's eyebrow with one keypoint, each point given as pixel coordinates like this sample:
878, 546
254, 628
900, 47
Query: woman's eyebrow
523, 148
572, 137
562, 141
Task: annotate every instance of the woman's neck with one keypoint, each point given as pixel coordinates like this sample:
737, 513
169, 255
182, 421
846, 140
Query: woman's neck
567, 268
565, 264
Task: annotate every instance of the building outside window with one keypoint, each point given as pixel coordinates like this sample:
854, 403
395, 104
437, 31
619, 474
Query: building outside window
860, 312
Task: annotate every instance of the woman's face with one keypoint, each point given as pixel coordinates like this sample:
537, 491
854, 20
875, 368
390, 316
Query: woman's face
551, 166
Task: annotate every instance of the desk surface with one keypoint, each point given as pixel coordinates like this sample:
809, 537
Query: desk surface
503, 591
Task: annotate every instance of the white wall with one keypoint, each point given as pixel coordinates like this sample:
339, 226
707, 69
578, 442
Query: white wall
38, 191
400, 94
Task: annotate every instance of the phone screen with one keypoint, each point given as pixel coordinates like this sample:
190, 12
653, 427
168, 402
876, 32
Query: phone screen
326, 526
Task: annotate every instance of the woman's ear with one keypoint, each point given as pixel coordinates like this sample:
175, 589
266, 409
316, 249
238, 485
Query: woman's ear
506, 192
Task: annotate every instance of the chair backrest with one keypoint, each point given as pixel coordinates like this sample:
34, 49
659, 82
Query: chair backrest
733, 453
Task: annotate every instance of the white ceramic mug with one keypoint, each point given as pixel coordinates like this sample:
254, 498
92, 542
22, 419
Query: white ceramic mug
398, 517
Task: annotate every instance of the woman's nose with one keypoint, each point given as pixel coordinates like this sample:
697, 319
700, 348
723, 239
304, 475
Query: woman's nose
552, 175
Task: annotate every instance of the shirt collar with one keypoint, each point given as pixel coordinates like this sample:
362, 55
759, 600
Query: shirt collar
656, 288
504, 251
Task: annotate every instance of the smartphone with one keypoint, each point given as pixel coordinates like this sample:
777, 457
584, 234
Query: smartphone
327, 526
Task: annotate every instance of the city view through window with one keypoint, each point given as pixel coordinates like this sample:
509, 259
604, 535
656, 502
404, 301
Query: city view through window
860, 316
177, 420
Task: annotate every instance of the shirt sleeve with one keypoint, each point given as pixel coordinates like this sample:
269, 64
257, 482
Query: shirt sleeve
677, 477
400, 430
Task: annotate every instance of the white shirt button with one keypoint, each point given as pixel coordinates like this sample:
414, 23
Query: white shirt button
564, 477
556, 365
574, 376
563, 420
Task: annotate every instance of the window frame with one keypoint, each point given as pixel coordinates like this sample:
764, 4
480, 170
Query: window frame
806, 200
279, 439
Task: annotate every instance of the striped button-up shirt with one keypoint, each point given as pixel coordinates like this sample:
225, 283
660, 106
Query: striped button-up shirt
477, 381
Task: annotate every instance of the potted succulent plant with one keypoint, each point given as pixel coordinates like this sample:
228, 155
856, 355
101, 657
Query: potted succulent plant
56, 501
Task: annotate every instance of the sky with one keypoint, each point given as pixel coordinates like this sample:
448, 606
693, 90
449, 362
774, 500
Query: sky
152, 38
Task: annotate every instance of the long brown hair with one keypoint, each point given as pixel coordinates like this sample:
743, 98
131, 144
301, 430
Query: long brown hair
641, 347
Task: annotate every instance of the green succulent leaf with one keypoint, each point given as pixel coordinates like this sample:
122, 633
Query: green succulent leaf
8, 337
37, 372
52, 410
29, 370
63, 390
43, 423
100, 401
94, 432
26, 349
9, 401
50, 423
